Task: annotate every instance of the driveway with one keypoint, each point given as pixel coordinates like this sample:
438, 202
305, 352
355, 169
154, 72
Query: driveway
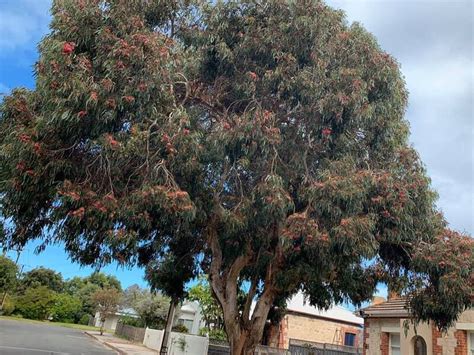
20, 337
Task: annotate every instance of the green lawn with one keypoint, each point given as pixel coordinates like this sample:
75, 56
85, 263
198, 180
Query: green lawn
58, 324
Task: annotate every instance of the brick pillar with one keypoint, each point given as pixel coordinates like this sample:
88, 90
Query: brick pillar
436, 334
384, 343
461, 346
283, 342
365, 340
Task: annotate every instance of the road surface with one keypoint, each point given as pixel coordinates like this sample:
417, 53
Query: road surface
20, 337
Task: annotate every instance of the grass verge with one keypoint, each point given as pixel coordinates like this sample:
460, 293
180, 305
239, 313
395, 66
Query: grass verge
57, 324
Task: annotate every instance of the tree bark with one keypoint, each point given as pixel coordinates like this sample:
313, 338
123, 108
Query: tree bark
244, 332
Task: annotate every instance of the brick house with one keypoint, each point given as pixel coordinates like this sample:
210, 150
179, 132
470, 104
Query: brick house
305, 323
384, 333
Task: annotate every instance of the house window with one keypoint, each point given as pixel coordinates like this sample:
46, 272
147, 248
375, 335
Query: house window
419, 345
349, 339
394, 344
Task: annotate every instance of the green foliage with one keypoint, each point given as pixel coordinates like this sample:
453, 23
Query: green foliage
42, 276
83, 288
8, 306
36, 303
152, 308
8, 274
66, 308
134, 322
210, 309
216, 334
180, 328
84, 320
265, 145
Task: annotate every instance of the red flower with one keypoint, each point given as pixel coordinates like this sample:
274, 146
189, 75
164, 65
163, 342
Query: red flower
37, 148
327, 132
81, 114
94, 96
20, 165
25, 138
386, 214
226, 125
113, 143
252, 75
68, 47
186, 131
128, 99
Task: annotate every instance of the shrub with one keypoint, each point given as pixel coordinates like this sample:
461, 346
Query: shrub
8, 306
84, 320
36, 303
180, 328
66, 308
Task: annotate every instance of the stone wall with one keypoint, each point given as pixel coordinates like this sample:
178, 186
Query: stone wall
314, 329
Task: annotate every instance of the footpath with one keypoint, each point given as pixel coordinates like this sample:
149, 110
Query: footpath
121, 346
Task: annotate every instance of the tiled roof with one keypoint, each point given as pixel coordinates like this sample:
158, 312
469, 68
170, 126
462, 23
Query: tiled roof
393, 308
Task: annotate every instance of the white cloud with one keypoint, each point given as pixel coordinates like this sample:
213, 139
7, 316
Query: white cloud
433, 41
22, 24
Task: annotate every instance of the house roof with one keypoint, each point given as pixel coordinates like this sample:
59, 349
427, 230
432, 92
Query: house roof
298, 304
393, 308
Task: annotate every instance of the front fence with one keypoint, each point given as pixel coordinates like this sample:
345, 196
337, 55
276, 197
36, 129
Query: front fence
222, 349
301, 347
131, 333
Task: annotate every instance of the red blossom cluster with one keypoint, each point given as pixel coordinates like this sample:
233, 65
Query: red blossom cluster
68, 47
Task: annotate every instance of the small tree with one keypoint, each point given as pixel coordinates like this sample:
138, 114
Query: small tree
211, 311
106, 301
151, 307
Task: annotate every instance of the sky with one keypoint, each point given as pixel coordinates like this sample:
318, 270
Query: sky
431, 39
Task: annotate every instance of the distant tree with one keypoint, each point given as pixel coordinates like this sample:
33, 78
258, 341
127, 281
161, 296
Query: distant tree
36, 303
66, 308
8, 274
84, 287
42, 276
211, 311
103, 280
152, 308
106, 303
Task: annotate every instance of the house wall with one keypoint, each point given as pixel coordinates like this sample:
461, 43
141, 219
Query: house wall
454, 342
314, 329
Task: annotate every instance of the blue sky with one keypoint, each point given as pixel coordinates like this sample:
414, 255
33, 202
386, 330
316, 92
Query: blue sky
432, 39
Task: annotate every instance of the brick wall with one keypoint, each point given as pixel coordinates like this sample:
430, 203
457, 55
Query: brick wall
461, 346
365, 345
436, 334
384, 343
303, 327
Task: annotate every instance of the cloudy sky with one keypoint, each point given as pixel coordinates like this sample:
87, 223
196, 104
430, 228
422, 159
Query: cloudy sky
433, 41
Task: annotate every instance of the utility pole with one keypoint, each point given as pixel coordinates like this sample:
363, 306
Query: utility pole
169, 325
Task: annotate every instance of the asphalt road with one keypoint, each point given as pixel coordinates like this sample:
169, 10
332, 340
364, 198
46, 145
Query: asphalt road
19, 337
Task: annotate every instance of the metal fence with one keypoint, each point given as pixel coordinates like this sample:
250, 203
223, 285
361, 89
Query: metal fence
301, 347
131, 333
222, 349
